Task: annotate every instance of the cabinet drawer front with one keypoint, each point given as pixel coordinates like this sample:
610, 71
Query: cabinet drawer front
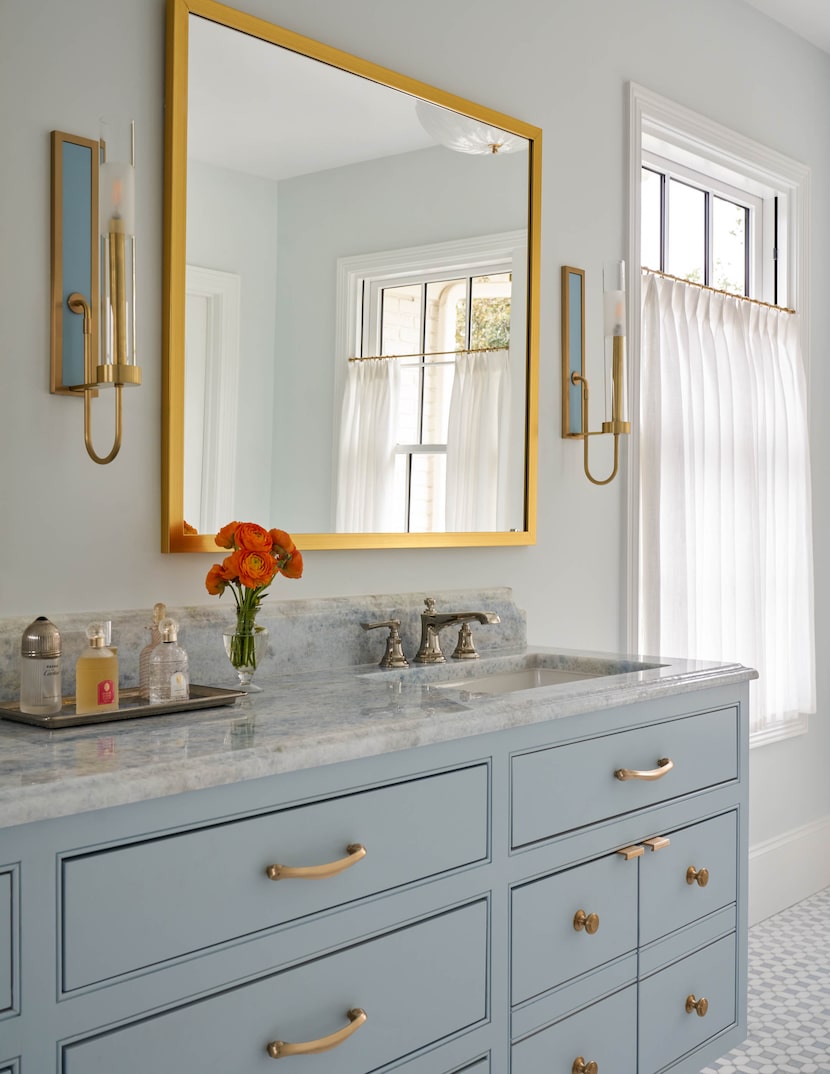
667, 900
667, 1030
167, 897
417, 985
547, 948
6, 934
562, 788
604, 1033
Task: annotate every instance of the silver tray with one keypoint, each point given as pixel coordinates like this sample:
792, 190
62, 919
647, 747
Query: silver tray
130, 707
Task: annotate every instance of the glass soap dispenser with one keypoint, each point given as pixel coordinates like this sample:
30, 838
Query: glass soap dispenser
169, 675
96, 674
159, 612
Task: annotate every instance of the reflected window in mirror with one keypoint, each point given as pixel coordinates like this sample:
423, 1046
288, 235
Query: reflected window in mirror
431, 432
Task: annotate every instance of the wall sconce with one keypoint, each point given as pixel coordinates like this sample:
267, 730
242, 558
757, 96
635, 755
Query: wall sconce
93, 269
574, 381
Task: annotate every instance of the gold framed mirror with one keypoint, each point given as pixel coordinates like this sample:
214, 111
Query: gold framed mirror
351, 298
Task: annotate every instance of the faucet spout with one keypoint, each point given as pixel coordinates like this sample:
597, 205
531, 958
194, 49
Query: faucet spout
429, 651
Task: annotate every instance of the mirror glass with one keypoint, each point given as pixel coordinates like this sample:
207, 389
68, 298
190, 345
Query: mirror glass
351, 312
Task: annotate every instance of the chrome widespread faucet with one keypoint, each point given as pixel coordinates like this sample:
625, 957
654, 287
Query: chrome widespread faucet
432, 622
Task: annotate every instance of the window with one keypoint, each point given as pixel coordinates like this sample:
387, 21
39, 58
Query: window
713, 208
700, 230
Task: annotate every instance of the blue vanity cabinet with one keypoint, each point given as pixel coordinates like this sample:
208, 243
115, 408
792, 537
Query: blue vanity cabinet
8, 941
639, 948
519, 908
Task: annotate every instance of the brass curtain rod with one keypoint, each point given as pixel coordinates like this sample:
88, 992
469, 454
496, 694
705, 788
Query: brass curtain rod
426, 354
718, 291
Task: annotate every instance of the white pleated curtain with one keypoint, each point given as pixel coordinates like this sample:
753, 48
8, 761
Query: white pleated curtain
477, 440
726, 562
366, 459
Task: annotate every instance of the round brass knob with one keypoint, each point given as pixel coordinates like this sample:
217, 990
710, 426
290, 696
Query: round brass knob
581, 1067
698, 876
589, 922
700, 1005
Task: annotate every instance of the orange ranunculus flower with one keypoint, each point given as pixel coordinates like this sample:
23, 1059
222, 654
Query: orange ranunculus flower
216, 581
294, 567
281, 542
225, 536
253, 538
256, 569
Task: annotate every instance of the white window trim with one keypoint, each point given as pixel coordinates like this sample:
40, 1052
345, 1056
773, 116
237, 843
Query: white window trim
653, 117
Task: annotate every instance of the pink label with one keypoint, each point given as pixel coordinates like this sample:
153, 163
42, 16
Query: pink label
106, 692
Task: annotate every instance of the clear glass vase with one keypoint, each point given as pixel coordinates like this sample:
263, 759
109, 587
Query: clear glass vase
246, 650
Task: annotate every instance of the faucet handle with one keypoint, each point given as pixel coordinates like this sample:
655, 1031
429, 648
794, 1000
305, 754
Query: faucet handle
465, 650
393, 657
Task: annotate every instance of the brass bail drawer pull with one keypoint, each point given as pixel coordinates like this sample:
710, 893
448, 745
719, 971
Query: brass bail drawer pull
700, 1005
697, 876
664, 765
581, 1067
589, 922
279, 1049
355, 852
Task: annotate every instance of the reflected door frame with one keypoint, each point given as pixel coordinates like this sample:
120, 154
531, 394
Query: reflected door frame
212, 357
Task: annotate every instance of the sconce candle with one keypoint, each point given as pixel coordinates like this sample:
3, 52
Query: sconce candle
613, 279
117, 228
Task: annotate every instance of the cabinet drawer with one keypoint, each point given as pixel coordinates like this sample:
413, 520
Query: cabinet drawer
604, 1033
547, 948
667, 900
667, 1030
6, 936
417, 985
142, 904
559, 789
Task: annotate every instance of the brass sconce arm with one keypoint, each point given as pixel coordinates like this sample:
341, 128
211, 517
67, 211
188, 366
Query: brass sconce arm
78, 304
577, 378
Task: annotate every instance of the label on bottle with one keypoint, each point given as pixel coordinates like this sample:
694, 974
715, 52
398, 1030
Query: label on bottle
40, 685
106, 692
179, 686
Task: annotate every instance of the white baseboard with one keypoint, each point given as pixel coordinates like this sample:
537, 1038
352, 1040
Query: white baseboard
785, 870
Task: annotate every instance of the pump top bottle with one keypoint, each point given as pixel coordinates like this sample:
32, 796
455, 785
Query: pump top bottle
169, 673
40, 668
96, 674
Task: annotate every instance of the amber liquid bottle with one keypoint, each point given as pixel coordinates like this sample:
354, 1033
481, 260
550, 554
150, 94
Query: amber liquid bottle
96, 675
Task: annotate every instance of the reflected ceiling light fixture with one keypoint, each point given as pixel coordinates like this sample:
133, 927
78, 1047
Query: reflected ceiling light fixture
93, 269
574, 381
463, 134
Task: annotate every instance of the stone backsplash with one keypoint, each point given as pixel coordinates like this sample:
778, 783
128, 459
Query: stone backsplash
305, 635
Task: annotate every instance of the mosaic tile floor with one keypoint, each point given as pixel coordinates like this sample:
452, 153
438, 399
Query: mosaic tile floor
789, 994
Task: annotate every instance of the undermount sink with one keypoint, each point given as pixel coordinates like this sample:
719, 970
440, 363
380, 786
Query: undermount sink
507, 682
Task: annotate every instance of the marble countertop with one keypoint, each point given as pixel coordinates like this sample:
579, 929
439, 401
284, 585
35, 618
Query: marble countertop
304, 721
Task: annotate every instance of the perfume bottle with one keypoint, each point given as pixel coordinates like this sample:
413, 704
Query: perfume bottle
169, 675
40, 668
159, 611
96, 674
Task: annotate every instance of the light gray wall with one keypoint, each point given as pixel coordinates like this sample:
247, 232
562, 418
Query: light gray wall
76, 536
